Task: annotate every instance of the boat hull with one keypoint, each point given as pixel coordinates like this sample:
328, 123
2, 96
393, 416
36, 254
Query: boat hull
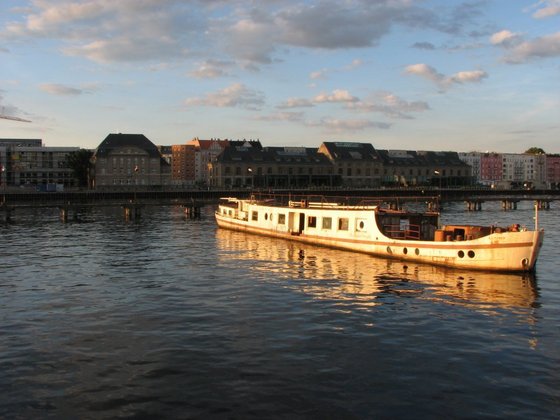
503, 251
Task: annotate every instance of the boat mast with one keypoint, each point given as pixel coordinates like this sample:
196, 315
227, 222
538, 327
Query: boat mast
536, 215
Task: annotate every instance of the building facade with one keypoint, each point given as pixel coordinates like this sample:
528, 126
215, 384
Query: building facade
129, 159
553, 171
248, 166
27, 163
424, 168
357, 164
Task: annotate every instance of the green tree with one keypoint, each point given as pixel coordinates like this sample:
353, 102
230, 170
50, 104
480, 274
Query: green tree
80, 163
535, 151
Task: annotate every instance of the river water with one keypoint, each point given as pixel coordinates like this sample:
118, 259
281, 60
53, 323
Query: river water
171, 317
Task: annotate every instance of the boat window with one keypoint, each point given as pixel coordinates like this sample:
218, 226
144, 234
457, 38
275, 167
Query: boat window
255, 216
343, 223
327, 222
360, 225
281, 219
311, 221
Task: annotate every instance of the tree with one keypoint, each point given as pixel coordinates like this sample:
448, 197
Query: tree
535, 151
80, 163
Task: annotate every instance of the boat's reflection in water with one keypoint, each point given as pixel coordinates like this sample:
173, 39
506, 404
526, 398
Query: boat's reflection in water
368, 281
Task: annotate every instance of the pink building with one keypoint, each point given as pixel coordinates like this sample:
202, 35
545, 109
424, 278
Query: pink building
490, 168
553, 170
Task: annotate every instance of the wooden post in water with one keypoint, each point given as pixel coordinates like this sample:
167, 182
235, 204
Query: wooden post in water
63, 213
192, 211
131, 211
5, 213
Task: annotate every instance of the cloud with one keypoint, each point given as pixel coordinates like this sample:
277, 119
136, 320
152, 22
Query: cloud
11, 111
252, 33
354, 64
236, 95
319, 74
282, 116
295, 103
390, 105
322, 74
544, 47
112, 31
61, 90
504, 38
337, 95
547, 9
211, 69
339, 126
424, 46
444, 82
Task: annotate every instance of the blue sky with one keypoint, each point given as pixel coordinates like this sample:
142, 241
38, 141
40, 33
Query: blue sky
400, 74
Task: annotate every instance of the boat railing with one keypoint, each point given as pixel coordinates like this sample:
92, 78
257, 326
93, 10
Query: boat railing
327, 201
398, 232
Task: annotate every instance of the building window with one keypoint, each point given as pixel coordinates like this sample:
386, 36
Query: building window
327, 222
255, 216
343, 223
281, 219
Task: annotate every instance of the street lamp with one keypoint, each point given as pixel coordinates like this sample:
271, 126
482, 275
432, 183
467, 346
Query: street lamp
2, 172
438, 173
250, 170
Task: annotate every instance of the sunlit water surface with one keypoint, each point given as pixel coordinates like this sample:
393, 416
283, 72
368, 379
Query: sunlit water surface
172, 317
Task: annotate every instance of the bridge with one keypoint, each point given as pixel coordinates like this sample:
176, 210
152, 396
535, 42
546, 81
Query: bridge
70, 203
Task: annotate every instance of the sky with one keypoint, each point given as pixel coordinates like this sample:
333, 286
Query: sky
479, 75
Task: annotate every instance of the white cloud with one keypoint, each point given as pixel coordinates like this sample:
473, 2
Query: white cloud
547, 9
340, 126
65, 90
504, 37
236, 95
337, 95
538, 48
390, 105
444, 82
425, 71
112, 31
252, 33
211, 69
295, 103
282, 116
467, 76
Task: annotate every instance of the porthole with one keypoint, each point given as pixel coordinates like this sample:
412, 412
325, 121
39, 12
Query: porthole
266, 216
405, 251
389, 250
361, 225
461, 254
524, 262
417, 251
470, 254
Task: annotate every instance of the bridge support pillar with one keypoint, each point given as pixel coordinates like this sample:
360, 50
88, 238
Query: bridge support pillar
543, 204
192, 212
509, 204
131, 211
474, 205
433, 206
5, 213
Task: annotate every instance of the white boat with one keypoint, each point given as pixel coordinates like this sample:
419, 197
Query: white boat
386, 231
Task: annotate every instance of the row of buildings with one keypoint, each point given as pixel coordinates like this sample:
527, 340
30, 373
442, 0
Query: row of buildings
123, 160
